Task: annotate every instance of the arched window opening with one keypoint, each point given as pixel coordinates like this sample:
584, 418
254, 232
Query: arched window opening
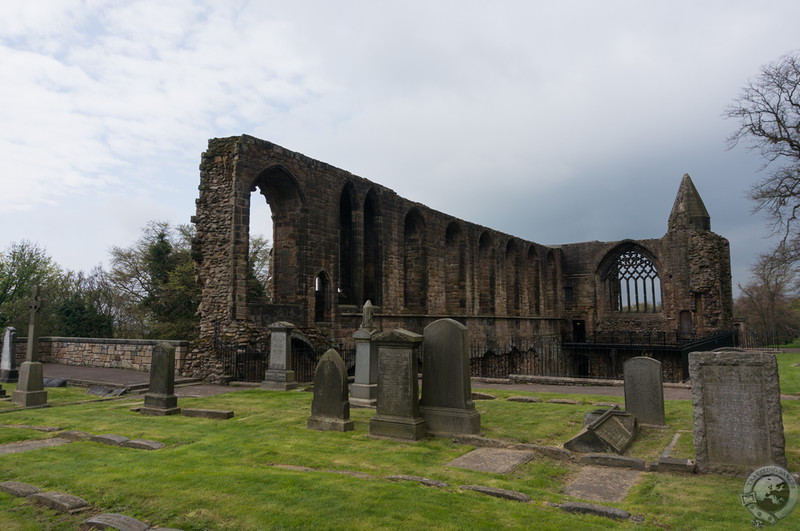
372, 250
632, 284
486, 274
534, 296
321, 305
415, 262
455, 270
259, 251
347, 248
512, 279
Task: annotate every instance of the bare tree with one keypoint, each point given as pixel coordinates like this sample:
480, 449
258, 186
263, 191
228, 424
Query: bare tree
768, 112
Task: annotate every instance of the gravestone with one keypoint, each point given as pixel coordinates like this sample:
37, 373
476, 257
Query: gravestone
30, 389
279, 375
398, 414
330, 409
446, 404
738, 424
364, 391
606, 431
8, 358
160, 399
644, 390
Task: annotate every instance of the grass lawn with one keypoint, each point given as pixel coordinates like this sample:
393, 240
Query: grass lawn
263, 469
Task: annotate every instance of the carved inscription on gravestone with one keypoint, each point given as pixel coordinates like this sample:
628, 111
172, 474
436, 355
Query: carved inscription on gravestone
738, 423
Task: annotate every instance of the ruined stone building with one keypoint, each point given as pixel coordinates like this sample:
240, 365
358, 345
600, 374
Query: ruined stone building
340, 240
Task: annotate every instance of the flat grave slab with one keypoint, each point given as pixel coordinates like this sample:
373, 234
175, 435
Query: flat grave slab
115, 521
602, 483
218, 414
108, 438
25, 446
60, 501
597, 510
143, 444
498, 493
493, 460
20, 490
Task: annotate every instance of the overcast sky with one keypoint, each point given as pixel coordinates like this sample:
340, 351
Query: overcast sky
554, 121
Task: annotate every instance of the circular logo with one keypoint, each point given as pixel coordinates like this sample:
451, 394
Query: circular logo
770, 493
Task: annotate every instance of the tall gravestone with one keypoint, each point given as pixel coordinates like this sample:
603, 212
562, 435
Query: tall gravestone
738, 424
160, 399
446, 404
330, 409
397, 410
8, 358
364, 391
644, 390
279, 375
30, 389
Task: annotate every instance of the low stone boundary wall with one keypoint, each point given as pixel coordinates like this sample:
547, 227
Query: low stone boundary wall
134, 354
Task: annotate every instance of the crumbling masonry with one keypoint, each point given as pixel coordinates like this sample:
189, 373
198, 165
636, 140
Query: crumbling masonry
340, 240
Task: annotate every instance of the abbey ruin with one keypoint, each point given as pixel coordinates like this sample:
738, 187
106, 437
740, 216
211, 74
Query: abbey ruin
340, 240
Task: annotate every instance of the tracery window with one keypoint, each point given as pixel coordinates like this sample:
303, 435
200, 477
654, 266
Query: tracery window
632, 284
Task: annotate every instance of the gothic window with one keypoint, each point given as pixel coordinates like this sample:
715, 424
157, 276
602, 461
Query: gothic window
632, 284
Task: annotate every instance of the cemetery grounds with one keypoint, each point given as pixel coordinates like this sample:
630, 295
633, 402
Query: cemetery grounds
263, 469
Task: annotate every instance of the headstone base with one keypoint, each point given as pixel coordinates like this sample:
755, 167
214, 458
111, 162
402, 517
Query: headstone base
364, 395
330, 424
159, 412
279, 380
160, 401
29, 398
30, 390
11, 376
445, 421
398, 427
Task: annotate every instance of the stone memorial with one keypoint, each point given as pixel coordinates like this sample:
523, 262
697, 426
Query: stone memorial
644, 390
8, 358
606, 431
738, 424
397, 411
279, 375
160, 399
364, 390
446, 403
330, 409
30, 389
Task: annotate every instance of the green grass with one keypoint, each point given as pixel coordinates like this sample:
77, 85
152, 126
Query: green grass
244, 473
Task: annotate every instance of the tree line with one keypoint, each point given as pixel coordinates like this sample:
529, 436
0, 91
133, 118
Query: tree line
148, 292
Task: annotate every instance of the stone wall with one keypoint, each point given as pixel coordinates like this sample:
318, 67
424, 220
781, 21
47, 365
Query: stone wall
340, 239
133, 354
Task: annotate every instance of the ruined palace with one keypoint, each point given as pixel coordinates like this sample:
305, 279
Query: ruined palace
340, 240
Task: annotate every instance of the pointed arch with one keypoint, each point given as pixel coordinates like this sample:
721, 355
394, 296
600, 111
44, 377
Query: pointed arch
415, 261
286, 203
487, 274
347, 245
629, 274
455, 270
512, 278
322, 298
373, 279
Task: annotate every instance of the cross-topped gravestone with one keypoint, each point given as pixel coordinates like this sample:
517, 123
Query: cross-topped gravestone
330, 409
446, 404
30, 390
8, 359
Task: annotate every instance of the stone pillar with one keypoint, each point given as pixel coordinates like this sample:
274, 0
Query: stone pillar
30, 389
8, 359
160, 399
447, 404
279, 376
364, 391
398, 413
